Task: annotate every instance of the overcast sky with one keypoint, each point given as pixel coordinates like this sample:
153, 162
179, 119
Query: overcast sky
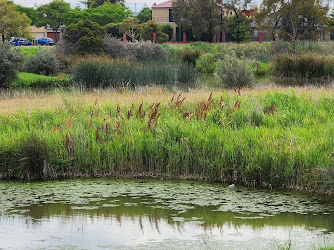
130, 3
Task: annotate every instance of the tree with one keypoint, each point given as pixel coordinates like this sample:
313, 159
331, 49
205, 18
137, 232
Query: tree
236, 6
12, 22
53, 14
331, 20
30, 12
10, 62
168, 29
98, 3
112, 29
131, 28
293, 18
144, 15
151, 27
202, 17
103, 15
86, 36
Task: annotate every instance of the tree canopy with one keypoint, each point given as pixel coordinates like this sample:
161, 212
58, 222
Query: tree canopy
86, 36
292, 19
144, 15
30, 12
203, 17
103, 15
53, 14
98, 3
12, 22
131, 28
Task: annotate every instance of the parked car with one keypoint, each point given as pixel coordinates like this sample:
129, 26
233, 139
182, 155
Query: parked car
20, 41
45, 41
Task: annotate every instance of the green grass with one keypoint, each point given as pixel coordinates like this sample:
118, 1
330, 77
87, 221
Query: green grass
32, 50
25, 79
271, 139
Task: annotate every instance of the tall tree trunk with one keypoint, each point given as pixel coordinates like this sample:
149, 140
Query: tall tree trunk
3, 37
55, 32
293, 47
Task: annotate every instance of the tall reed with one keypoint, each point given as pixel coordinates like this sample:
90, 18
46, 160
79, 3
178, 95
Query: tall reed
271, 139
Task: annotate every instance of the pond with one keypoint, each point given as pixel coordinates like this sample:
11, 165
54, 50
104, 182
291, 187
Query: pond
159, 214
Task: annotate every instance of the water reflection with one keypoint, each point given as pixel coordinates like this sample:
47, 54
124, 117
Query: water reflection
159, 214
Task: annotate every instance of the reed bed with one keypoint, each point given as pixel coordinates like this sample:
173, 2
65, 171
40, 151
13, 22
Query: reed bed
277, 139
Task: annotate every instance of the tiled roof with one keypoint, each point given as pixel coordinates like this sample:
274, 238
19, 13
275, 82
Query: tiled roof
167, 4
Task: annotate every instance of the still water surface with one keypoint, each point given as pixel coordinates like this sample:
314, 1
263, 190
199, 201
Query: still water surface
153, 214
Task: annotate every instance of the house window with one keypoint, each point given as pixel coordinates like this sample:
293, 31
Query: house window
170, 16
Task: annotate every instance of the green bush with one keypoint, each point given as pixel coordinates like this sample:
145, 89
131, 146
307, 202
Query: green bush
206, 63
86, 36
190, 57
112, 29
304, 66
235, 73
10, 62
43, 63
168, 29
151, 27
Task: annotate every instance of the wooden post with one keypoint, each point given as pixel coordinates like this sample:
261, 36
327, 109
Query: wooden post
124, 38
260, 37
214, 39
154, 37
184, 37
223, 38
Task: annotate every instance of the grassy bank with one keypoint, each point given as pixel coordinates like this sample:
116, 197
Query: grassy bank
280, 138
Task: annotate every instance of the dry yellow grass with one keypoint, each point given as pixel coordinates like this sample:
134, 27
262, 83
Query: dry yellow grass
27, 102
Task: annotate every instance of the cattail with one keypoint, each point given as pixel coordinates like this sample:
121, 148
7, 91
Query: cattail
130, 111
210, 97
171, 101
119, 112
139, 112
117, 126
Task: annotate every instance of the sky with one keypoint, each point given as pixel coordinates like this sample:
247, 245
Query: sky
132, 4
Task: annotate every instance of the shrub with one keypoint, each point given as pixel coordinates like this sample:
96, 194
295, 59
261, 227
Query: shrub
114, 47
235, 73
206, 63
112, 29
146, 51
43, 63
65, 48
149, 28
168, 29
86, 36
190, 57
304, 66
10, 62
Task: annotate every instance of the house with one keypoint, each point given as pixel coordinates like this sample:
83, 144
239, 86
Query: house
39, 32
163, 14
